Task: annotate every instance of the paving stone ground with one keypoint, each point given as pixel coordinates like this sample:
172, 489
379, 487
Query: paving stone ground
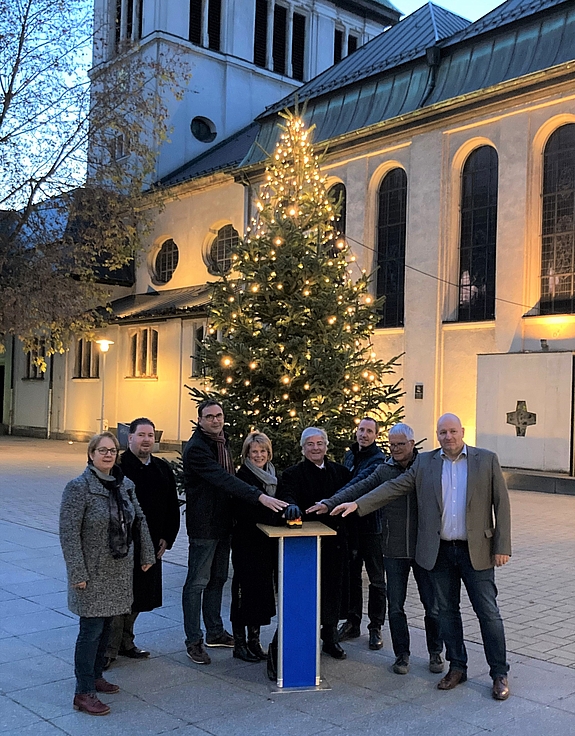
169, 694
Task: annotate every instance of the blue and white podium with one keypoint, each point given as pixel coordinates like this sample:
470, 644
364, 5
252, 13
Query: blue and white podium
299, 598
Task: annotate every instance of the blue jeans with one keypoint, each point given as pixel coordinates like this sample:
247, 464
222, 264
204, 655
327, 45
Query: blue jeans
208, 564
90, 652
453, 565
370, 552
397, 573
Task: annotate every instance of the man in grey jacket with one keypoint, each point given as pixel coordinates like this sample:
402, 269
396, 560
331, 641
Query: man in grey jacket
464, 531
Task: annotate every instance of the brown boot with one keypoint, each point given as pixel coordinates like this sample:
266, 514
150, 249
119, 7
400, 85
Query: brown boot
103, 686
88, 703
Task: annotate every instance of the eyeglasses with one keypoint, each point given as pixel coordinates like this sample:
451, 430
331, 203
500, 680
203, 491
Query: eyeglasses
107, 450
213, 417
397, 445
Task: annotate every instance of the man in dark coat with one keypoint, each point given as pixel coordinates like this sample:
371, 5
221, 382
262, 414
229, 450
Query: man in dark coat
158, 498
399, 538
365, 543
210, 483
300, 486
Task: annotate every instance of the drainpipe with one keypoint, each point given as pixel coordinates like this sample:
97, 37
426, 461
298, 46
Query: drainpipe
433, 58
11, 406
50, 396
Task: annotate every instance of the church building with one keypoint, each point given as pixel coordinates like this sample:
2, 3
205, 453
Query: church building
452, 145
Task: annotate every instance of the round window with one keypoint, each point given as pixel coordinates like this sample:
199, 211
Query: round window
166, 261
220, 253
203, 129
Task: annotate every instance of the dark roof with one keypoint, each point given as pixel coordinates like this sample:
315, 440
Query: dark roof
378, 10
221, 157
404, 42
505, 13
161, 303
527, 40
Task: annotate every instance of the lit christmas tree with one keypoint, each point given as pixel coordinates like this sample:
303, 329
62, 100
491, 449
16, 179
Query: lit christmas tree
289, 335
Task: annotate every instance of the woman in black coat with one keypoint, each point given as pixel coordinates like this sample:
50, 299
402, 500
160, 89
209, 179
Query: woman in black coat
254, 555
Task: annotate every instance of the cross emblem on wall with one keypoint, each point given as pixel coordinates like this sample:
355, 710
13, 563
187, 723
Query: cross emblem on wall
521, 418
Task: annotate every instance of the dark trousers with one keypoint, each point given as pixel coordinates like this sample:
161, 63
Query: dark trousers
369, 551
121, 634
453, 566
90, 652
208, 564
397, 573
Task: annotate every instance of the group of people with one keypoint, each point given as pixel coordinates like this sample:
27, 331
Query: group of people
443, 515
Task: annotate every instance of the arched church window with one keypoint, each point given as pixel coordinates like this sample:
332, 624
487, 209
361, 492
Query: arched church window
478, 235
166, 261
220, 253
391, 230
558, 226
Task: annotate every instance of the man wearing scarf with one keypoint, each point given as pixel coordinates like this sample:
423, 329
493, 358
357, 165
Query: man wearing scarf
210, 483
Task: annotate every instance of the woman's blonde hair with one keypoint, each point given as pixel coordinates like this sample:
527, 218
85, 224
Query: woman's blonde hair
97, 438
261, 439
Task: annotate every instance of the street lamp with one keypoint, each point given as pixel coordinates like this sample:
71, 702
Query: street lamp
104, 346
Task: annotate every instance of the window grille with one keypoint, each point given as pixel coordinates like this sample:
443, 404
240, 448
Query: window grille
166, 261
87, 360
279, 39
391, 234
261, 33
337, 46
144, 353
220, 255
32, 370
478, 236
558, 223
298, 47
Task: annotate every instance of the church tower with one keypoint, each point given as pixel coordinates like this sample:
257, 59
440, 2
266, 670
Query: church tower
243, 55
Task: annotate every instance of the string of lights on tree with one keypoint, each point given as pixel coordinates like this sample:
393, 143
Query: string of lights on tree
289, 333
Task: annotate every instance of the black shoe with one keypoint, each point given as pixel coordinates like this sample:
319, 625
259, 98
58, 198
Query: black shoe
254, 644
242, 652
240, 648
108, 662
401, 664
333, 649
221, 640
375, 640
348, 631
134, 653
436, 663
197, 653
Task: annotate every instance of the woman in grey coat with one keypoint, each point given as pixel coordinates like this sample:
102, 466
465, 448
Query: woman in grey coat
98, 516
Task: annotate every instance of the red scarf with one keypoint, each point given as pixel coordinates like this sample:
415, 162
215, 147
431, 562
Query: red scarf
224, 454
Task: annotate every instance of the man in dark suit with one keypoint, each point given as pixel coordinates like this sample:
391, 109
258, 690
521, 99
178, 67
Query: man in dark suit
210, 482
365, 543
464, 531
157, 495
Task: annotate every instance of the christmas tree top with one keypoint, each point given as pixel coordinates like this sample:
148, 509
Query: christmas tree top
289, 338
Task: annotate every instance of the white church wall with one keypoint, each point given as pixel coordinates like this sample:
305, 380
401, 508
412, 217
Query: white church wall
192, 222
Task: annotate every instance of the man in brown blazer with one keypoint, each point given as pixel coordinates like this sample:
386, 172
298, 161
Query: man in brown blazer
464, 531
